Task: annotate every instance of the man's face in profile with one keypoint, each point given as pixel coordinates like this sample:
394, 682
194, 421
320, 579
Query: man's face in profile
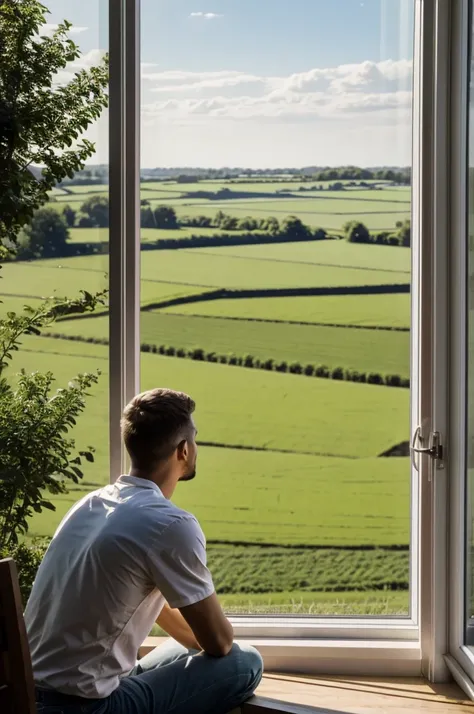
190, 471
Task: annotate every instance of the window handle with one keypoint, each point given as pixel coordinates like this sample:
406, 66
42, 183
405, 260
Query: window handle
434, 449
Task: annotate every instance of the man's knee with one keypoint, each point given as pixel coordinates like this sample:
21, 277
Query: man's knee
249, 663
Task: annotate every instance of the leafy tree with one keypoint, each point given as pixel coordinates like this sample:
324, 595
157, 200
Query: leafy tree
229, 223
37, 456
320, 234
147, 219
220, 215
97, 208
356, 232
294, 227
41, 121
85, 221
404, 233
165, 217
272, 225
69, 215
46, 235
247, 224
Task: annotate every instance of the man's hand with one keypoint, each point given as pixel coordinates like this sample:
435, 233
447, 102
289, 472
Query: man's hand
174, 624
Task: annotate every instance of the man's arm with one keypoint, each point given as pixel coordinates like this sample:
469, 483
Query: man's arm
179, 570
174, 624
210, 626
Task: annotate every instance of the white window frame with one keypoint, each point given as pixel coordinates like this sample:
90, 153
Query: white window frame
459, 659
384, 646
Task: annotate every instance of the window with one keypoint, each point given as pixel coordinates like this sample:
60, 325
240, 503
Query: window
275, 289
260, 141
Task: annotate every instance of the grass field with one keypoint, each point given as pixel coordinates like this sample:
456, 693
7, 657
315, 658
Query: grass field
284, 460
147, 235
378, 209
362, 310
251, 408
364, 350
193, 267
317, 603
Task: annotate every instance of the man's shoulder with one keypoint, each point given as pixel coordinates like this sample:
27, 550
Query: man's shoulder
157, 515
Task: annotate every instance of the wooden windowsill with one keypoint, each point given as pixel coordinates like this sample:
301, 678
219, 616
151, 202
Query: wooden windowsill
346, 695
292, 694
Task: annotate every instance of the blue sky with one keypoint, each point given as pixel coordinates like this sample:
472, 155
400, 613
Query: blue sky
265, 82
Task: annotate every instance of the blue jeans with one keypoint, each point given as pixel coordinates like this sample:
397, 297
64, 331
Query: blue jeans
171, 680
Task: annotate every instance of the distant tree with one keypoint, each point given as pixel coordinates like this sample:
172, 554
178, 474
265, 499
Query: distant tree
165, 217
144, 202
219, 217
97, 208
147, 218
247, 224
293, 227
229, 223
356, 232
84, 221
320, 234
69, 215
204, 221
272, 225
404, 232
46, 235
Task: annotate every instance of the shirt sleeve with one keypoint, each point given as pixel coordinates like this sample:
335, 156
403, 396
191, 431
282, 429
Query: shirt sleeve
179, 564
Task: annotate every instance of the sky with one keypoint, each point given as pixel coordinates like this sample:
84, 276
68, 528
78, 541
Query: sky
264, 83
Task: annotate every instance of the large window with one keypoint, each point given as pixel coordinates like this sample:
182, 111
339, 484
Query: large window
65, 251
271, 216
275, 289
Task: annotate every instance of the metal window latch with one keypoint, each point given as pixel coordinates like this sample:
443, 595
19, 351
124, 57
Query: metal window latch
434, 448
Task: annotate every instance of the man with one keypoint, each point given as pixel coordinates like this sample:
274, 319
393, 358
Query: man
124, 557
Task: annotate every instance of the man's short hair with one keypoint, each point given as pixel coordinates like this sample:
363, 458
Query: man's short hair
154, 423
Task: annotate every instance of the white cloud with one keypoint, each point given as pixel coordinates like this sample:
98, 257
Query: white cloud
206, 15
48, 28
383, 87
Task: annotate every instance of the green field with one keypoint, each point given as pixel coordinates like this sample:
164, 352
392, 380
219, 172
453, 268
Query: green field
301, 491
364, 350
378, 209
293, 495
147, 235
328, 418
342, 604
362, 310
328, 254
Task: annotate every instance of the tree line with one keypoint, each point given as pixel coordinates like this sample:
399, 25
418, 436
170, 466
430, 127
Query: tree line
99, 174
251, 362
48, 233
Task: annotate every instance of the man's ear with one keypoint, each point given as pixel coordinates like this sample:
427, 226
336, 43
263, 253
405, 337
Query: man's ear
182, 450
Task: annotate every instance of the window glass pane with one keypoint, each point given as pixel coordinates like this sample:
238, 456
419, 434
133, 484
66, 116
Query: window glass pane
276, 272
63, 253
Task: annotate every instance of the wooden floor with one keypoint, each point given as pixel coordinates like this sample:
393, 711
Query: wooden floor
345, 695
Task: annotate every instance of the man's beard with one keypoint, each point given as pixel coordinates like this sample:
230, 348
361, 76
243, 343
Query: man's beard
189, 476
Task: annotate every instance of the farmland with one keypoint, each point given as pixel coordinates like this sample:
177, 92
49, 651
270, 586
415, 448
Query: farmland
301, 511
378, 209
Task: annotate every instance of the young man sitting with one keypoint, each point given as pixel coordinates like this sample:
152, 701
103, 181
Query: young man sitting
123, 558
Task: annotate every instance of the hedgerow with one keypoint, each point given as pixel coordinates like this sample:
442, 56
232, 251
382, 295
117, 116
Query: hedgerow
250, 362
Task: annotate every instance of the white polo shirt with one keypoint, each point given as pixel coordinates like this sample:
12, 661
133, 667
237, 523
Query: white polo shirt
116, 557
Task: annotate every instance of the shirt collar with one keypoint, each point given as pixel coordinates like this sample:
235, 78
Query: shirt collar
139, 482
